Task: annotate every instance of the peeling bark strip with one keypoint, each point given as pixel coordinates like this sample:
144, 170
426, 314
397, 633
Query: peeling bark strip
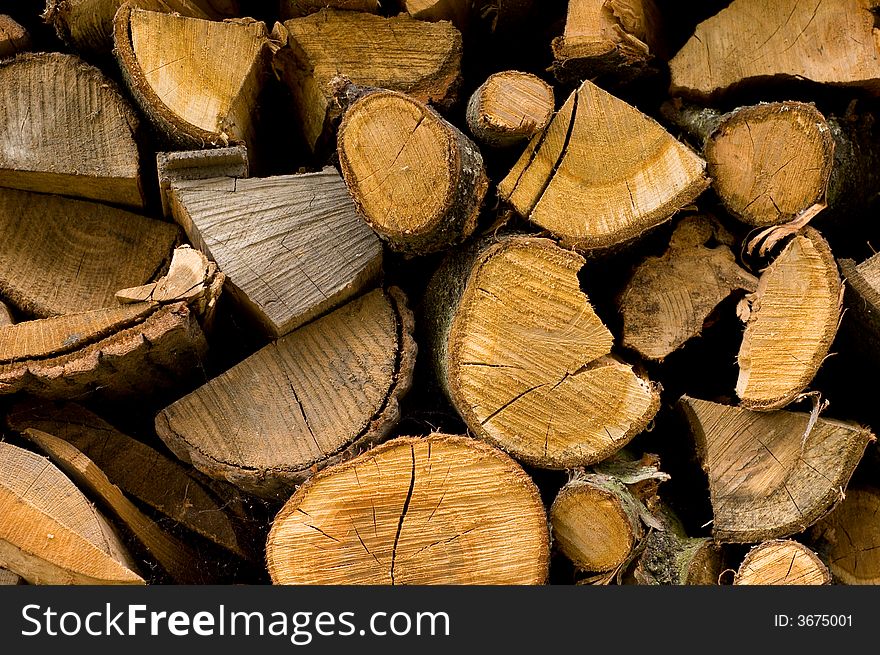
13, 37
415, 178
770, 474
292, 246
849, 538
824, 41
65, 129
168, 64
420, 59
602, 173
87, 25
141, 472
782, 562
316, 396
619, 38
49, 532
794, 317
509, 107
434, 510
63, 256
524, 359
668, 298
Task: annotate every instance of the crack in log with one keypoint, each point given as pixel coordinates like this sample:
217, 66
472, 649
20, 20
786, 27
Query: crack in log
409, 493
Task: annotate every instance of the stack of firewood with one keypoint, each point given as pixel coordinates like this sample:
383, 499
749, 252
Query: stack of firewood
450, 291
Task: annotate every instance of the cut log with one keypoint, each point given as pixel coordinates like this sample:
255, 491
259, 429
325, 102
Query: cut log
524, 359
141, 472
849, 538
782, 562
617, 37
793, 320
597, 522
8, 578
185, 165
387, 518
414, 57
602, 173
87, 25
316, 396
766, 41
458, 12
292, 246
109, 353
672, 559
508, 107
296, 8
13, 37
415, 178
64, 256
173, 555
861, 321
49, 532
169, 64
771, 474
669, 298
66, 129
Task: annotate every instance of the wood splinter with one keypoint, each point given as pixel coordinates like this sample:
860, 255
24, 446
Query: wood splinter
669, 298
771, 474
434, 510
782, 562
509, 107
415, 178
525, 360
602, 173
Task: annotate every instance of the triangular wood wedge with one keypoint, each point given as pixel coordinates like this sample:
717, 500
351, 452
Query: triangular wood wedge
792, 322
315, 396
87, 25
435, 510
526, 361
771, 40
13, 37
668, 298
617, 37
169, 64
414, 57
66, 129
176, 557
49, 532
185, 165
141, 472
782, 562
415, 178
291, 246
771, 474
602, 173
63, 256
849, 538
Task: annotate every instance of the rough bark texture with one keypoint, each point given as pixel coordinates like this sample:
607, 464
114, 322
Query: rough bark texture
435, 510
672, 559
415, 178
773, 474
314, 397
524, 359
602, 173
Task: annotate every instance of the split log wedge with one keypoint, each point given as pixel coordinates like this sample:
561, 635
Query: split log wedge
436, 510
849, 538
186, 165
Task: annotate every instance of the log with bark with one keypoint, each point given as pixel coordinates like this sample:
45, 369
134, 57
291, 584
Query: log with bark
415, 178
435, 510
414, 57
508, 107
782, 562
